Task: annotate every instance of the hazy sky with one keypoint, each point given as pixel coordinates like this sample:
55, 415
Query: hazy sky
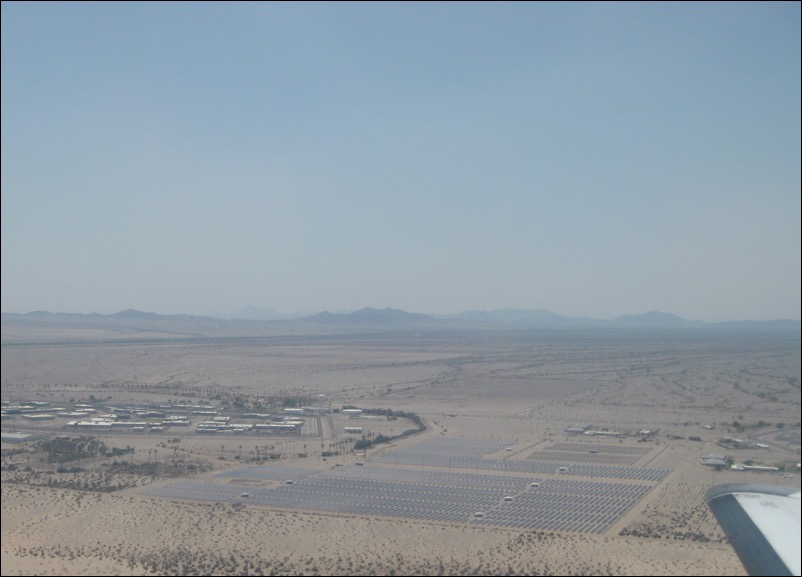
590, 159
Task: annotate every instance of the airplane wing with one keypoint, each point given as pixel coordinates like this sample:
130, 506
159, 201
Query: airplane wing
763, 525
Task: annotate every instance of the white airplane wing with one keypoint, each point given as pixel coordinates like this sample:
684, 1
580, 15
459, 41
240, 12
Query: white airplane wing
763, 525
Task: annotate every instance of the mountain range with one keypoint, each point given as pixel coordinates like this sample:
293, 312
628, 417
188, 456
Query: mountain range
389, 318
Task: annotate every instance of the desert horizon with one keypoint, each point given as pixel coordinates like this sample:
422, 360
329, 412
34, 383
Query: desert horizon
493, 407
409, 288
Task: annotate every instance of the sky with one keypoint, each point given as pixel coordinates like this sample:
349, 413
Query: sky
591, 159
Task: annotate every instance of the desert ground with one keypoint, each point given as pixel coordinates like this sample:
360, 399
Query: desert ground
104, 516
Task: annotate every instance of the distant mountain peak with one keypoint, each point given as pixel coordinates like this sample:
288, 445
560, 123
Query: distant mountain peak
373, 316
133, 314
38, 313
652, 318
390, 319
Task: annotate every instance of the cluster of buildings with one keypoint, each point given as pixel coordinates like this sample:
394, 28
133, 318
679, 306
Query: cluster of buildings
721, 461
734, 443
585, 429
154, 418
85, 416
288, 424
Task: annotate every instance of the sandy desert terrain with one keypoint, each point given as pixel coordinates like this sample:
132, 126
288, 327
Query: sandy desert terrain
519, 388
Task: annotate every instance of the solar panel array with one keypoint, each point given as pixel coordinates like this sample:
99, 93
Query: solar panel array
269, 473
471, 454
585, 457
591, 453
614, 449
445, 489
384, 491
567, 505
